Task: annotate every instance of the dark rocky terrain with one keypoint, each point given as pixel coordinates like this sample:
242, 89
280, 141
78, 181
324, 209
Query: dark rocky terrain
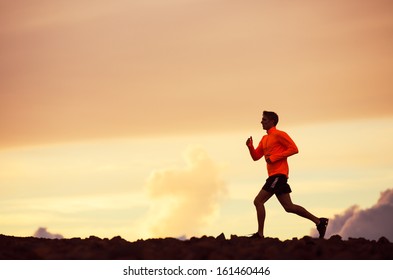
93, 248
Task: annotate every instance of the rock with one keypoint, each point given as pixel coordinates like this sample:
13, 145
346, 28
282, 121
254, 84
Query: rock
204, 248
383, 240
221, 237
335, 238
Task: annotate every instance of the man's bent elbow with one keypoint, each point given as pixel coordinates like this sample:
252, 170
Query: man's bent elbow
256, 157
295, 151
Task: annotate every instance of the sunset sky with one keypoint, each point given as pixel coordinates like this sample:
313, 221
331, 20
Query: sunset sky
130, 117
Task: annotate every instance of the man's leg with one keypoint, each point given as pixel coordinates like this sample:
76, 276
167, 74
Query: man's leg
259, 202
286, 202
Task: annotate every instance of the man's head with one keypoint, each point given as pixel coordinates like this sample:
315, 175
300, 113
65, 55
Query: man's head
269, 120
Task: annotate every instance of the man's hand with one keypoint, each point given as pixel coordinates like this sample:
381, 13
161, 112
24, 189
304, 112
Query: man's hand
249, 142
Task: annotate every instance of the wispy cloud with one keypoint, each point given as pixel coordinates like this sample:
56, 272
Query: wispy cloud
371, 223
42, 232
185, 199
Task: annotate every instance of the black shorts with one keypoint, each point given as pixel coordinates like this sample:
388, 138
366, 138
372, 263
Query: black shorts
277, 184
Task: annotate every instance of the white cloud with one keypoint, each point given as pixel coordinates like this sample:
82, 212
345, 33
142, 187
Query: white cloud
42, 232
185, 200
371, 223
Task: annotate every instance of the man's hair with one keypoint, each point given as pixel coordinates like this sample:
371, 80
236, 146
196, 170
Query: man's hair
271, 116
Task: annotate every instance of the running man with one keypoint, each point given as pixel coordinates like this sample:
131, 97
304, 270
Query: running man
276, 147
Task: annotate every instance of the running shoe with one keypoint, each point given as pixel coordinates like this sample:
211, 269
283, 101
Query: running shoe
321, 227
256, 236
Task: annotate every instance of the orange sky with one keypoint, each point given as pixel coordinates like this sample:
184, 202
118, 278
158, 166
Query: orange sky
99, 102
70, 70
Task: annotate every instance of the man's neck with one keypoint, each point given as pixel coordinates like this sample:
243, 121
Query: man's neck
270, 130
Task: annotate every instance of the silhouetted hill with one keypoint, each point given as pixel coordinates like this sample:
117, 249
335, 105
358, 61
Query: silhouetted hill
29, 248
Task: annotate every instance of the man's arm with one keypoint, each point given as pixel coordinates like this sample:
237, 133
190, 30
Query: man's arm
290, 147
257, 153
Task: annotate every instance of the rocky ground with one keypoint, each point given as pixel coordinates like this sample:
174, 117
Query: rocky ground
222, 248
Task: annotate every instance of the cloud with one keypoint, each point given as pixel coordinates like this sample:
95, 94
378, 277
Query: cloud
185, 199
371, 223
44, 233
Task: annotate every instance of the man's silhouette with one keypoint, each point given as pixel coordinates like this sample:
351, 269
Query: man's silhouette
276, 147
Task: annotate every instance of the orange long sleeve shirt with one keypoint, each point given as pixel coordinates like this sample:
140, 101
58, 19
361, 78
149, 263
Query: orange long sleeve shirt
276, 146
